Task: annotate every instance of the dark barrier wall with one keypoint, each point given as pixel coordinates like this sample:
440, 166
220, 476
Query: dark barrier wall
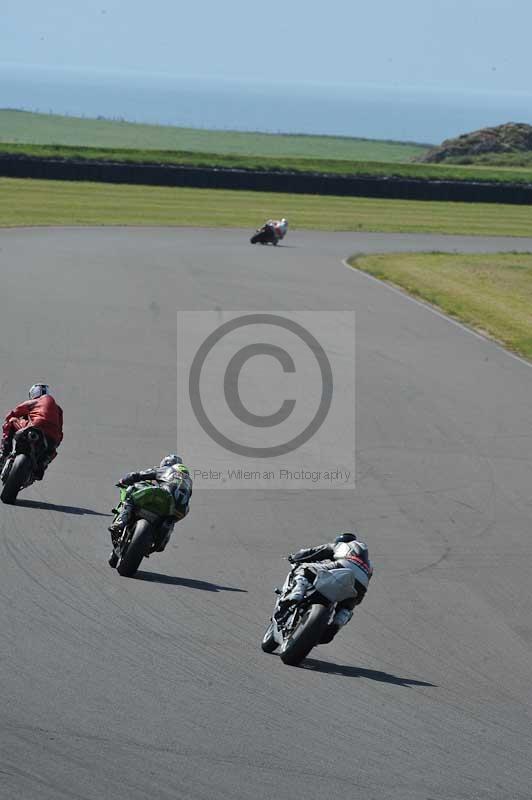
299, 183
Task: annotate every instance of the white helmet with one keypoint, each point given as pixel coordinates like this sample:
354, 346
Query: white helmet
37, 390
171, 460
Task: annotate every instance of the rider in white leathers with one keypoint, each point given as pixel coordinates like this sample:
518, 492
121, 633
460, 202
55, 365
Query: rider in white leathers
279, 227
346, 552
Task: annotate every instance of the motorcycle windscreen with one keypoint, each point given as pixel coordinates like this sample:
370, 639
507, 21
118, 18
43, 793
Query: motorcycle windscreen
335, 584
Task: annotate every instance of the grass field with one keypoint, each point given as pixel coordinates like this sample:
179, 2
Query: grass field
25, 202
26, 127
508, 160
491, 293
373, 168
48, 136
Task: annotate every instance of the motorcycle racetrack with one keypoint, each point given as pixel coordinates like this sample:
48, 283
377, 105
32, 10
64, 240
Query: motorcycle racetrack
156, 686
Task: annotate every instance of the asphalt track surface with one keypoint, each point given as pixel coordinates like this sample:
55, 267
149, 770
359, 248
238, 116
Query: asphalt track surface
156, 687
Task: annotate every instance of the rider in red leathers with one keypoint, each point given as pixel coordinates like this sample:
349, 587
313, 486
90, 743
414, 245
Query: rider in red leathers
40, 411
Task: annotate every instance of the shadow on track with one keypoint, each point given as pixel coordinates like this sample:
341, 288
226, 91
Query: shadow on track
192, 583
359, 672
65, 509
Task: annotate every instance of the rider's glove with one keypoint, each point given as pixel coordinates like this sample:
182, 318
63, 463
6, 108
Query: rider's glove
130, 478
291, 558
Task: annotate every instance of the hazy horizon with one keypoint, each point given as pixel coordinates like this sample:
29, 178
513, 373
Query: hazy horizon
413, 71
407, 114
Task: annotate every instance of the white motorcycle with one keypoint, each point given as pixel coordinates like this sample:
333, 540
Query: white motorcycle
298, 626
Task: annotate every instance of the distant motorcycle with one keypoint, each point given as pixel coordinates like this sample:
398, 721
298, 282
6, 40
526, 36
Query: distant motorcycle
265, 235
150, 527
298, 626
24, 463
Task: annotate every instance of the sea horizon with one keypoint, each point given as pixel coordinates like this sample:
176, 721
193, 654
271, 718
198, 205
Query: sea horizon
420, 115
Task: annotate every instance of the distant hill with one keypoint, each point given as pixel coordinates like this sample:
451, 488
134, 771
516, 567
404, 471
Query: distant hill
505, 145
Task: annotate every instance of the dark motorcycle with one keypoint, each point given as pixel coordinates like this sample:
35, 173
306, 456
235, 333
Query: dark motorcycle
25, 462
149, 530
265, 235
298, 626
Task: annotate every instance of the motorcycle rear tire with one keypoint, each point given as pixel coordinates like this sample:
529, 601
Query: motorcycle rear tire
18, 475
138, 547
305, 637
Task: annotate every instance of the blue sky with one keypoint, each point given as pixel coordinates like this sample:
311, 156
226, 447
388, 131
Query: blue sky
456, 44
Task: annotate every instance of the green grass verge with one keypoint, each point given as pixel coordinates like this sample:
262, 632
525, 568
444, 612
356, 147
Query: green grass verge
51, 136
331, 166
25, 202
29, 128
508, 160
488, 292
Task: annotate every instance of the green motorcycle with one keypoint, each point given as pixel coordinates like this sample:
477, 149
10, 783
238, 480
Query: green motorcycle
149, 528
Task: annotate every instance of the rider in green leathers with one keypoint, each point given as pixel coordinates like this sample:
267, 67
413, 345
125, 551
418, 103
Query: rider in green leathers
171, 475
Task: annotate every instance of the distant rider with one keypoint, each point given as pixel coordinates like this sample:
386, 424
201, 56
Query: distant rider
40, 411
171, 474
345, 552
279, 227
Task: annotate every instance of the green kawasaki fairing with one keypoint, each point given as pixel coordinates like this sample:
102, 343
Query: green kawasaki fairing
151, 497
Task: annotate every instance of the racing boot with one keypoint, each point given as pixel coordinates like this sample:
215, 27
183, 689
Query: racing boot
5, 449
40, 469
43, 465
342, 617
164, 535
115, 529
299, 589
120, 521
